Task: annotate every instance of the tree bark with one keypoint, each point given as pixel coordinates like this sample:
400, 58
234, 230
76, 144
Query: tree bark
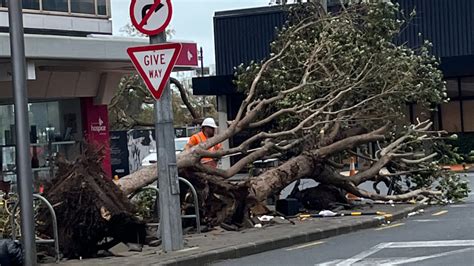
141, 178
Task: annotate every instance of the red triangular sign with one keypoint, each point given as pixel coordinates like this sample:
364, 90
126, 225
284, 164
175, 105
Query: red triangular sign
154, 63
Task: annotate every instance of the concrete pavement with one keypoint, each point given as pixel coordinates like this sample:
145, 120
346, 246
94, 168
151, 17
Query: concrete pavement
443, 235
218, 245
325, 241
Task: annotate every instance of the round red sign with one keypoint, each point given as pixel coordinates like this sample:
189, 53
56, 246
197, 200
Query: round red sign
151, 17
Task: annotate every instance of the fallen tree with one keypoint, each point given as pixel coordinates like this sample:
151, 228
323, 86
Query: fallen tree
333, 83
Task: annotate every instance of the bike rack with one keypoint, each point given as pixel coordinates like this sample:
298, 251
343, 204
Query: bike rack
196, 205
195, 199
55, 225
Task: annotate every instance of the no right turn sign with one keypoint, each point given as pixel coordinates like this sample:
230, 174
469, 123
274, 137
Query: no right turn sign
151, 17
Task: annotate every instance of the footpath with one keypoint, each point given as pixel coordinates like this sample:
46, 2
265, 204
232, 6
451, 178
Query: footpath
219, 244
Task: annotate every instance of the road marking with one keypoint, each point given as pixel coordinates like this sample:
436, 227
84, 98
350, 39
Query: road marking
440, 213
459, 206
431, 244
469, 244
363, 254
417, 259
426, 220
389, 226
306, 245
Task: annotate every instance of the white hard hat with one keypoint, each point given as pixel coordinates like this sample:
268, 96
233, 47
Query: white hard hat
209, 122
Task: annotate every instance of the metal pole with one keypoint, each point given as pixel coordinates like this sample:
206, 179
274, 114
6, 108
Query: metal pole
23, 163
202, 61
202, 75
170, 211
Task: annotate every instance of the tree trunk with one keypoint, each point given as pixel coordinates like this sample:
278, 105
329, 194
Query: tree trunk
141, 178
274, 180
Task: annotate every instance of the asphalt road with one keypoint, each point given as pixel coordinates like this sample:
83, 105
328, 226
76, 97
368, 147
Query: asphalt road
442, 235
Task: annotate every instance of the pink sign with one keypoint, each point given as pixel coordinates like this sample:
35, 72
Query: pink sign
188, 57
95, 122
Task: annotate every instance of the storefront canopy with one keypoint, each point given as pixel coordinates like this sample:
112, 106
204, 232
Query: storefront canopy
70, 67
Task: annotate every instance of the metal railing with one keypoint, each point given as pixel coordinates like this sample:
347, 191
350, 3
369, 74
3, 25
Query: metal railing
54, 241
195, 200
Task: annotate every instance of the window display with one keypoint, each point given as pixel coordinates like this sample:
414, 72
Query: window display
51, 132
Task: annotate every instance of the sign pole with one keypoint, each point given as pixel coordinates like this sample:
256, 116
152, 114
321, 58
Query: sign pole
24, 172
168, 183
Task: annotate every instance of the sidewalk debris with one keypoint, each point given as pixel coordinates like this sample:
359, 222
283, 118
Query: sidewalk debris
266, 218
323, 214
327, 213
415, 213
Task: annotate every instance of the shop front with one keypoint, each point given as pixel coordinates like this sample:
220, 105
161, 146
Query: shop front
70, 82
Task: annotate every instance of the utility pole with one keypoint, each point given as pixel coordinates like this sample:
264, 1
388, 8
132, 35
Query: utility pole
201, 58
168, 183
23, 162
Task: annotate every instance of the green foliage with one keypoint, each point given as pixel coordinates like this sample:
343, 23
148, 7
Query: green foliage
454, 186
350, 55
145, 204
464, 145
449, 154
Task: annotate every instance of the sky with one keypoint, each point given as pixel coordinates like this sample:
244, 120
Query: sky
192, 19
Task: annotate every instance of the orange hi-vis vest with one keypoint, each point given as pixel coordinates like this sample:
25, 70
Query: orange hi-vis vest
198, 138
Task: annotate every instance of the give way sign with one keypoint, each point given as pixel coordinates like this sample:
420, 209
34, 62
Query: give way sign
151, 17
154, 63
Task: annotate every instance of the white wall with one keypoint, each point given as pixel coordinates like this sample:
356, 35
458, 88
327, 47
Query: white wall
64, 23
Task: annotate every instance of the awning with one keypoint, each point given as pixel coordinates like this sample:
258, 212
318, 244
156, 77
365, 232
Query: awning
71, 67
214, 85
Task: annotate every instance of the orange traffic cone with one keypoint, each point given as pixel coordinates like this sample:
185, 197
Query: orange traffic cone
352, 167
352, 172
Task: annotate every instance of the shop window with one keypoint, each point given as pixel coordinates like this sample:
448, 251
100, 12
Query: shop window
83, 6
451, 116
467, 87
453, 88
43, 118
468, 118
31, 4
55, 5
102, 7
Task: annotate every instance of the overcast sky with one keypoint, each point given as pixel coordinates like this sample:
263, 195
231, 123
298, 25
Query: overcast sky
192, 19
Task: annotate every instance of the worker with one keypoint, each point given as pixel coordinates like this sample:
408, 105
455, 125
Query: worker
208, 129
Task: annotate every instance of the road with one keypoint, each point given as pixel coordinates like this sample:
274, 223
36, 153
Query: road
442, 235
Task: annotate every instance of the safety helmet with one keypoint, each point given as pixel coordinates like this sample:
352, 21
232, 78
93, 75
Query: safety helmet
209, 122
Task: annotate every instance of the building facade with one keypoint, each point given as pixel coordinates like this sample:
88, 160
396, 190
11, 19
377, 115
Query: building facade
74, 68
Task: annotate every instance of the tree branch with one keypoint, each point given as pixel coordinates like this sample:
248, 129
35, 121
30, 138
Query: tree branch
184, 98
408, 161
403, 197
